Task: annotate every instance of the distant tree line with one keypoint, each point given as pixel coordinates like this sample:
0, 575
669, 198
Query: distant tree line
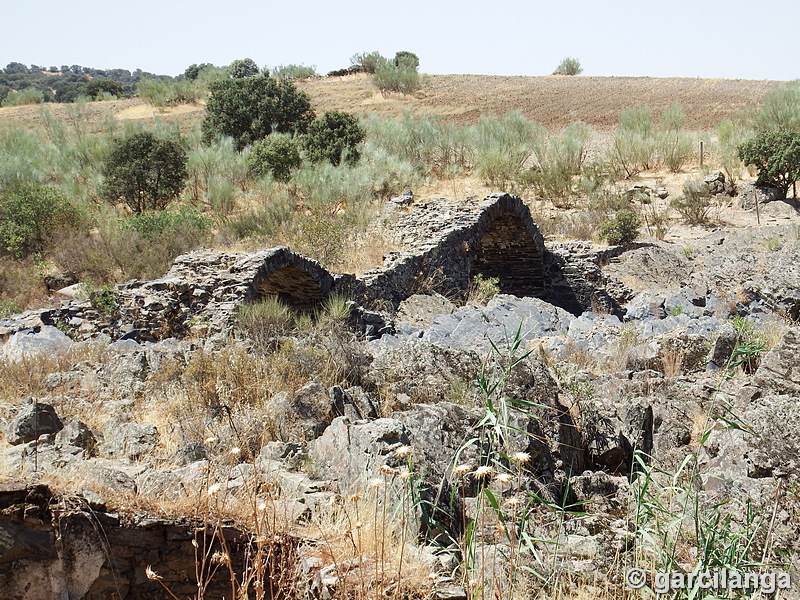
67, 82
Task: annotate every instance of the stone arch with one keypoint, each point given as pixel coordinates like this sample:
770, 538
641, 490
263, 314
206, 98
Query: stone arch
508, 245
296, 280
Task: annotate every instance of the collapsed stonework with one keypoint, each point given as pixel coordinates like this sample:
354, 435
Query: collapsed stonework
447, 243
443, 245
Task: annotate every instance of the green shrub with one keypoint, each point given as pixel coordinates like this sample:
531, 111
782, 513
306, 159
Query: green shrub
264, 222
210, 165
243, 68
334, 137
633, 145
96, 86
265, 319
29, 95
504, 146
277, 154
368, 62
403, 58
140, 247
622, 229
569, 66
192, 72
29, 214
251, 108
781, 109
674, 144
695, 204
429, 143
145, 171
482, 289
730, 136
776, 155
559, 159
153, 91
152, 223
391, 77
291, 72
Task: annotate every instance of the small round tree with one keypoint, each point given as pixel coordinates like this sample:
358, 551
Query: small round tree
776, 155
569, 66
244, 67
276, 154
95, 87
404, 58
251, 108
622, 230
334, 137
145, 171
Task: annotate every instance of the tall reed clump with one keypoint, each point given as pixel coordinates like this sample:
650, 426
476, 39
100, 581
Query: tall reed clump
498, 546
503, 147
559, 161
731, 135
675, 145
217, 173
632, 147
429, 144
681, 528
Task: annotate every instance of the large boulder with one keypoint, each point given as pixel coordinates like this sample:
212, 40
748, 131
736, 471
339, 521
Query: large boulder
302, 415
751, 194
128, 440
34, 420
24, 344
779, 372
350, 453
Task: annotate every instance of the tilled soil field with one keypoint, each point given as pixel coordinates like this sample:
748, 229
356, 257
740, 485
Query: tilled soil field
552, 100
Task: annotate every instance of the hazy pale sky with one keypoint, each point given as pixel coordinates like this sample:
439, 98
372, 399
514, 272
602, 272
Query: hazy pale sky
679, 38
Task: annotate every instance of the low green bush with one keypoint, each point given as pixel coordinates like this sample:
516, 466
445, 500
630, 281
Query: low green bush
622, 229
334, 137
695, 204
29, 214
277, 155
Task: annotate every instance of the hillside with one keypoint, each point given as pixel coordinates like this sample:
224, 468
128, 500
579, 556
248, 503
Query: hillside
552, 101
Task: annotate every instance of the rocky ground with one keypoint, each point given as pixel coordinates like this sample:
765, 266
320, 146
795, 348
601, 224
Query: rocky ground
511, 437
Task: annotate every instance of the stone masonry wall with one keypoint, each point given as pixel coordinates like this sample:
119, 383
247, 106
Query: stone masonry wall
51, 547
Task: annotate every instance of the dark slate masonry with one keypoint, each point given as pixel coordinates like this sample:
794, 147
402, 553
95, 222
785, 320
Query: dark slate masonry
443, 245
63, 547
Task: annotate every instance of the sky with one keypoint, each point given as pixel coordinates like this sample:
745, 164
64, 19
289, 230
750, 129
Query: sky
732, 39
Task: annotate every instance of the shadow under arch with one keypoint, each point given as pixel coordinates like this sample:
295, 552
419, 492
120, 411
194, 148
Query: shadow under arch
508, 245
297, 281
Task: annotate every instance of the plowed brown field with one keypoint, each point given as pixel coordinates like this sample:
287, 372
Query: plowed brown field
552, 101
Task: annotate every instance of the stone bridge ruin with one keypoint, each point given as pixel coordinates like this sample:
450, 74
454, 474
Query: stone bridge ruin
443, 245
447, 243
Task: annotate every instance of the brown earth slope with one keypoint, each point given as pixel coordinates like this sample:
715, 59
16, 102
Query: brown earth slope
552, 100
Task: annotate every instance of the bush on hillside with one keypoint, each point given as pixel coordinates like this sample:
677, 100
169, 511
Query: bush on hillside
95, 87
776, 155
29, 95
242, 68
291, 72
695, 204
29, 214
403, 58
367, 62
569, 66
277, 154
251, 108
622, 230
334, 137
145, 171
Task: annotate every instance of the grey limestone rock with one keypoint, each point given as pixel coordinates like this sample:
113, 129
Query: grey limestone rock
34, 419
